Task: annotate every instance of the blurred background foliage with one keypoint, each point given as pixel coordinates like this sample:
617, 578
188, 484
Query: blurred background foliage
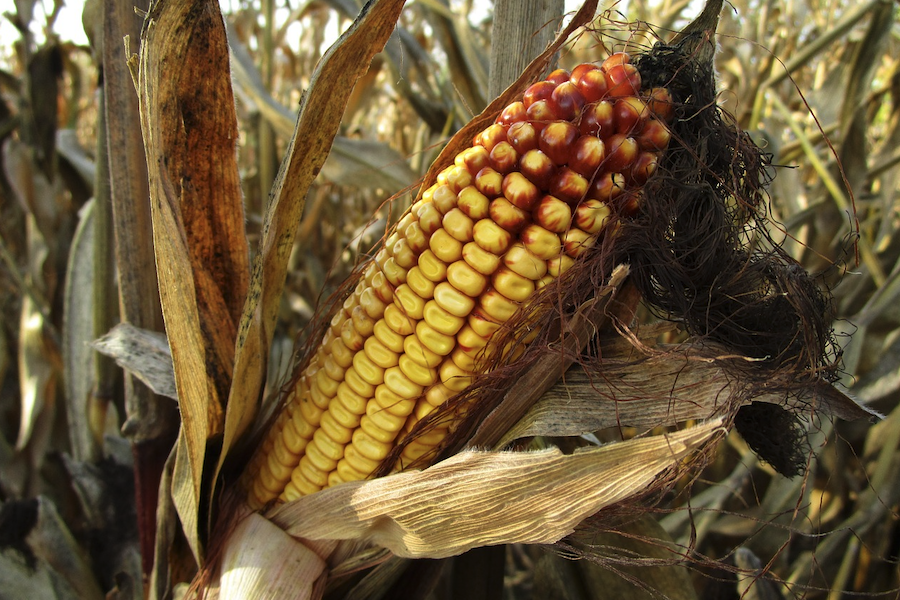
815, 82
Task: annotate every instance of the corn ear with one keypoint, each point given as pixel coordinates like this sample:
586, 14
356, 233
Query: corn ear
515, 211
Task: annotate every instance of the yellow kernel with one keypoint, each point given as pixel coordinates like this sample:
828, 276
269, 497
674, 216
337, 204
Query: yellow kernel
458, 225
542, 243
326, 384
393, 403
480, 259
371, 428
400, 384
312, 408
409, 302
372, 304
559, 265
356, 382
462, 359
473, 203
512, 285
394, 273
429, 218
317, 397
328, 447
392, 340
403, 254
519, 259
497, 306
453, 377
303, 486
466, 279
359, 463
468, 339
333, 429
315, 467
434, 340
351, 337
332, 369
417, 373
576, 242
458, 177
292, 438
483, 325
334, 479
423, 409
427, 195
491, 237
415, 351
440, 319
444, 199
303, 427
362, 321
489, 182
340, 354
452, 300
399, 323
282, 454
266, 486
369, 447
379, 284
352, 401
415, 237
379, 354
420, 284
338, 411
431, 267
444, 246
368, 370
279, 471
438, 394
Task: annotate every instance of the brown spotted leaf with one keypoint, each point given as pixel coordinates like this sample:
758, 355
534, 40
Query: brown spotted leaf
190, 131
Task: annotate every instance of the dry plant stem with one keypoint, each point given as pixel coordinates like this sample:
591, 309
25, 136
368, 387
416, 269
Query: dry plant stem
522, 30
104, 292
151, 420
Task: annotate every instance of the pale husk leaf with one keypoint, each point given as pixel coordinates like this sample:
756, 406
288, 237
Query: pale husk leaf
145, 354
480, 498
262, 561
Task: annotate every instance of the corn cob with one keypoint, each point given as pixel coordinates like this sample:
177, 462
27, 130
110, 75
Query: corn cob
512, 213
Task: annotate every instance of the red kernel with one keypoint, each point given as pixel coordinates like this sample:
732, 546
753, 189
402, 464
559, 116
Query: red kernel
557, 139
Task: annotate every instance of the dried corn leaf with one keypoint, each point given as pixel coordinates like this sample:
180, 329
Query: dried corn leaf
190, 132
144, 354
683, 383
478, 498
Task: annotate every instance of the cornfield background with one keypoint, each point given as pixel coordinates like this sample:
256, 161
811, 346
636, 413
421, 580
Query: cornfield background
815, 82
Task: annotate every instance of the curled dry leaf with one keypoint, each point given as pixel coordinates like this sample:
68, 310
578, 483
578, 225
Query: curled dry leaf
144, 354
478, 498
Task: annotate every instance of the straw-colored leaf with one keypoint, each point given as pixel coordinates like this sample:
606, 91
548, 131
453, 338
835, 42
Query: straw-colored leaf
190, 132
478, 498
144, 354
683, 383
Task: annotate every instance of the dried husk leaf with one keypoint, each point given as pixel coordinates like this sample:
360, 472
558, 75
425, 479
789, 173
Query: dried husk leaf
262, 561
479, 498
190, 131
144, 354
674, 385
